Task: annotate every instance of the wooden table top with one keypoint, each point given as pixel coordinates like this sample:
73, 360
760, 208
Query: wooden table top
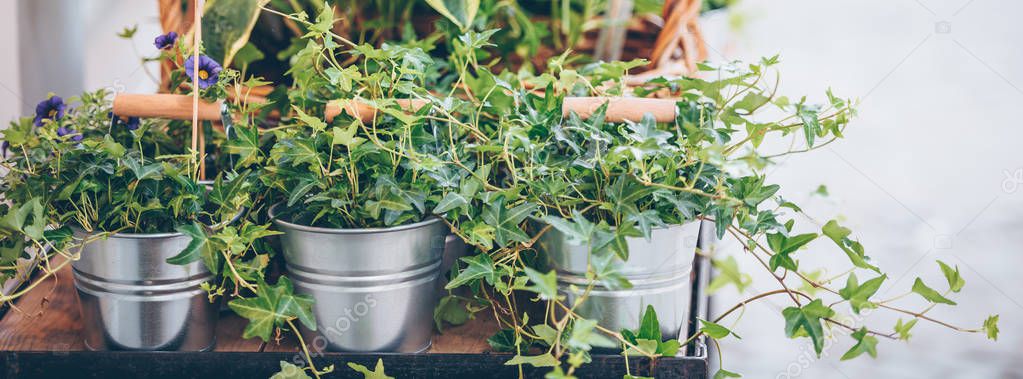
47, 319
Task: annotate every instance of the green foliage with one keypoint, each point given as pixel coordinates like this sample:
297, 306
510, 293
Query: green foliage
376, 373
929, 293
865, 343
273, 307
991, 327
859, 294
805, 321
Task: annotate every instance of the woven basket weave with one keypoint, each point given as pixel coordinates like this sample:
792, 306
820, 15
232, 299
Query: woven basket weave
671, 41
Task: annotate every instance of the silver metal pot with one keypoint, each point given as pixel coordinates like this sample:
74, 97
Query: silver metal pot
374, 289
659, 270
132, 299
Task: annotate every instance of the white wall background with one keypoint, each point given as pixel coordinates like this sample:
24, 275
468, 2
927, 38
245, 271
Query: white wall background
65, 46
919, 176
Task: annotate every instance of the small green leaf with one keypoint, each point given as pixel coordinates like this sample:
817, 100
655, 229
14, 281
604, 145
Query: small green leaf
991, 327
716, 331
481, 266
377, 373
853, 249
722, 374
197, 248
865, 343
728, 273
503, 340
544, 284
543, 360
452, 310
584, 336
902, 329
290, 371
649, 327
317, 124
806, 321
450, 201
955, 281
930, 294
272, 307
859, 295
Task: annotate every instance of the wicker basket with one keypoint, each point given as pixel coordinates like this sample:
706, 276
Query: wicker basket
671, 41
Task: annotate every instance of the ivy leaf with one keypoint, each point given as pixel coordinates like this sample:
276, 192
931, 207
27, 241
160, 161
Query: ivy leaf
506, 221
859, 295
244, 142
902, 329
377, 373
17, 218
450, 201
150, 171
643, 347
722, 374
347, 136
646, 220
459, 12
503, 340
806, 321
991, 327
584, 337
313, 122
728, 273
716, 331
481, 266
197, 248
811, 125
543, 360
930, 294
111, 147
290, 371
853, 249
649, 327
782, 244
955, 281
544, 284
272, 307
579, 231
865, 343
450, 309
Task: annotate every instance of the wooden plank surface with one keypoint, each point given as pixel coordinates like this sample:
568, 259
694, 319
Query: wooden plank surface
48, 319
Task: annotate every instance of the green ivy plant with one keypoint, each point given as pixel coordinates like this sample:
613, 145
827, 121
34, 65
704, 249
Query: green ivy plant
502, 163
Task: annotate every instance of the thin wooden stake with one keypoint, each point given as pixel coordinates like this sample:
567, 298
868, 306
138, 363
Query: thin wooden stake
196, 126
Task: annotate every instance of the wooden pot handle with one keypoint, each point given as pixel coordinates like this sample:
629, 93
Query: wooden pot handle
179, 107
619, 109
168, 106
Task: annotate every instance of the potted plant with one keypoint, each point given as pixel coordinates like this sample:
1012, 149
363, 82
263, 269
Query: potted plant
99, 192
356, 197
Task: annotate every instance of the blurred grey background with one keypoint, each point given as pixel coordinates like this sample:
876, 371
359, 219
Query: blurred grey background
931, 169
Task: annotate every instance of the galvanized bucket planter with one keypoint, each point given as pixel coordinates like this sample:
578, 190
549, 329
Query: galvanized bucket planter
132, 299
659, 270
374, 289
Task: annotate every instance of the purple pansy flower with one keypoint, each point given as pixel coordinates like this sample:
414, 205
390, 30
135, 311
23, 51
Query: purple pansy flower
165, 41
3, 148
75, 136
133, 123
49, 109
209, 70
